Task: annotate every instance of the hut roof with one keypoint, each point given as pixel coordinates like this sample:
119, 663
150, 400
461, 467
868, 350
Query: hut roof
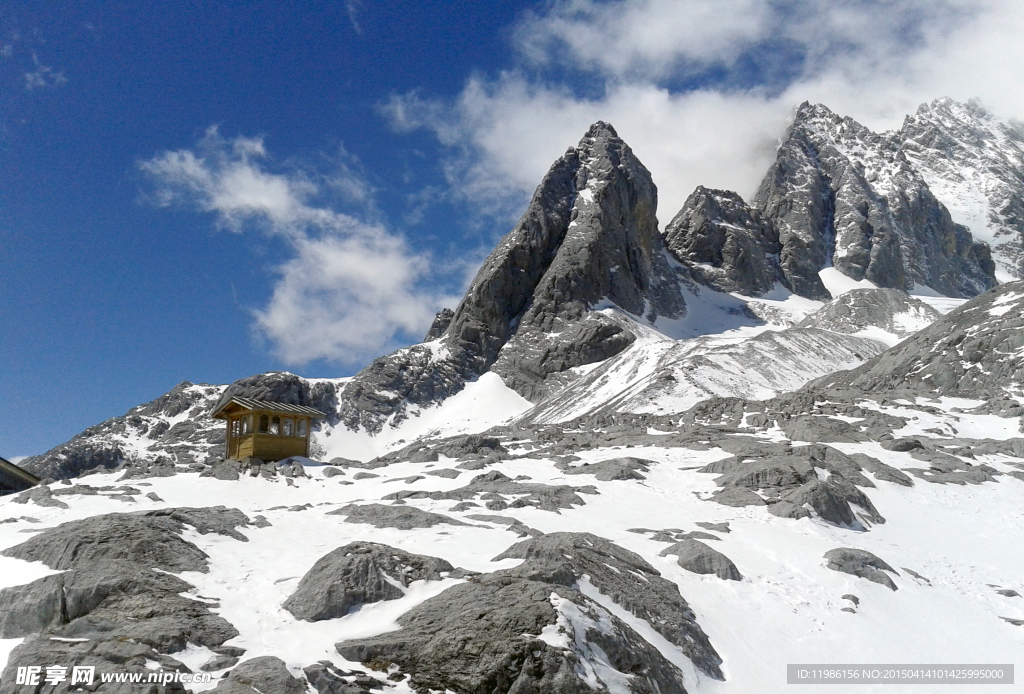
15, 477
265, 406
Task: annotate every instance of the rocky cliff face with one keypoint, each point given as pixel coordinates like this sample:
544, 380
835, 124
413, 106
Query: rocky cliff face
726, 244
974, 164
840, 195
589, 236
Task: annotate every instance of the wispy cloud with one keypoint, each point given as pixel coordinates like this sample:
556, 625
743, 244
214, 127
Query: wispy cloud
350, 289
353, 7
702, 93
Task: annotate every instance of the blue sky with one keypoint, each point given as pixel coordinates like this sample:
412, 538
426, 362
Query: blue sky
204, 191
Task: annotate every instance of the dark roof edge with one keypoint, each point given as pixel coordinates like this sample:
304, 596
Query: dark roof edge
269, 406
21, 473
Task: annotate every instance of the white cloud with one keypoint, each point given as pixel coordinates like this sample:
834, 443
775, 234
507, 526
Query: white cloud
703, 90
42, 76
351, 289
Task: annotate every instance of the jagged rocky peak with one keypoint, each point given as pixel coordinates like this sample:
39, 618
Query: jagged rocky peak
725, 243
589, 238
590, 234
974, 163
841, 195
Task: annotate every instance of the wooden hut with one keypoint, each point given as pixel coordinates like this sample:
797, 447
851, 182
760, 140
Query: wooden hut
14, 479
265, 429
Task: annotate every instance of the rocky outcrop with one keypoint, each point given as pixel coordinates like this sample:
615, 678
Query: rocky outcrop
356, 574
589, 238
117, 601
725, 244
861, 563
693, 555
261, 676
540, 628
892, 310
113, 443
840, 195
975, 351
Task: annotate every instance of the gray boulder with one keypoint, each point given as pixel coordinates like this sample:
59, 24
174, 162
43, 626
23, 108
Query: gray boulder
693, 555
858, 562
400, 517
625, 577
261, 676
357, 574
626, 468
484, 636
108, 655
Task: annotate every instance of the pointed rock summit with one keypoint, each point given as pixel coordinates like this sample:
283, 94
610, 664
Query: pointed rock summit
725, 243
589, 239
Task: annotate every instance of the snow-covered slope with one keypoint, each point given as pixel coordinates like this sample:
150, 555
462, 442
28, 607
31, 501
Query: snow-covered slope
954, 599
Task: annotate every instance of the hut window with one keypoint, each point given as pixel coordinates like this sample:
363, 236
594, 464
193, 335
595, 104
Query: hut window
264, 423
302, 427
235, 425
288, 426
275, 425
246, 424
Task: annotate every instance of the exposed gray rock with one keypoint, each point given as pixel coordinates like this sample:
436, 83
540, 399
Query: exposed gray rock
973, 352
223, 470
589, 234
717, 527
881, 471
108, 655
483, 636
357, 574
261, 676
40, 495
725, 244
400, 517
831, 500
625, 577
893, 310
858, 562
441, 322
819, 429
626, 468
327, 678
737, 496
542, 496
840, 194
514, 524
116, 582
972, 161
98, 449
693, 555
148, 538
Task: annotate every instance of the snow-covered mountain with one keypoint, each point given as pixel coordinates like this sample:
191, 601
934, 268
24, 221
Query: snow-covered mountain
974, 164
630, 460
